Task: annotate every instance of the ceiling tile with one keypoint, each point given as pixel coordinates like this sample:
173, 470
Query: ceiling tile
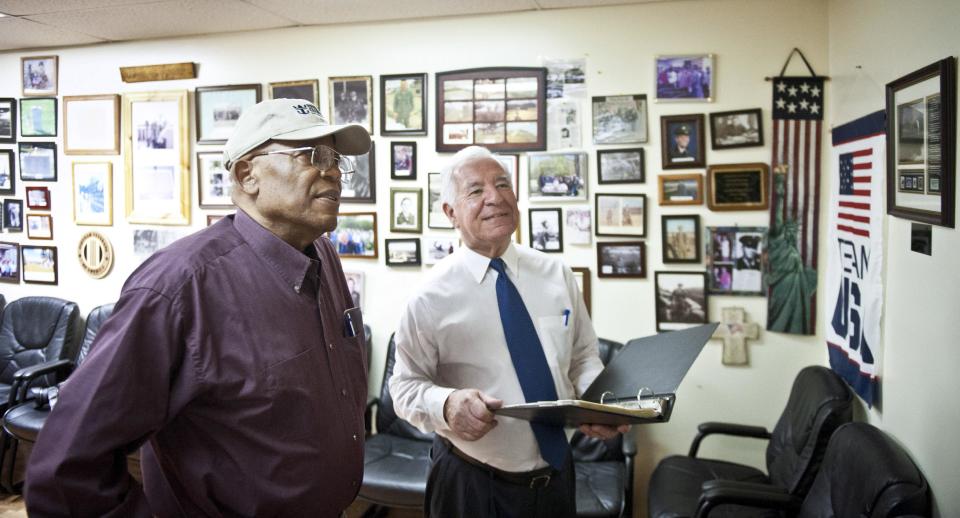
25, 7
16, 33
562, 4
314, 12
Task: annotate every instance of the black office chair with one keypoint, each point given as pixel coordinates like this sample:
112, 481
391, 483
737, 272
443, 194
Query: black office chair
864, 473
3, 302
819, 402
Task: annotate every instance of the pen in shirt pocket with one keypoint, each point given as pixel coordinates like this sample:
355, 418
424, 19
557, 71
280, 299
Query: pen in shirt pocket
566, 317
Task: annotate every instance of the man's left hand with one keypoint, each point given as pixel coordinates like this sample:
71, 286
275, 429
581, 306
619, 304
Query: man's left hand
602, 431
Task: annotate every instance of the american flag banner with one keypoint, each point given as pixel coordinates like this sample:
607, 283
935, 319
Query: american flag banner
795, 204
854, 288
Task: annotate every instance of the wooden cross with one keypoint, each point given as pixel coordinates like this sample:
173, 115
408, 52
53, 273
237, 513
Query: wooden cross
734, 331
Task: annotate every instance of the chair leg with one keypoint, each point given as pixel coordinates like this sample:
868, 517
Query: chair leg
9, 484
376, 511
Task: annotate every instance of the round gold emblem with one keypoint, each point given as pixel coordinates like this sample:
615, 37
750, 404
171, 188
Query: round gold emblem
95, 254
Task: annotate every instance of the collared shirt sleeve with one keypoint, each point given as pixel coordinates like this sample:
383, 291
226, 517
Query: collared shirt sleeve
416, 397
137, 374
585, 364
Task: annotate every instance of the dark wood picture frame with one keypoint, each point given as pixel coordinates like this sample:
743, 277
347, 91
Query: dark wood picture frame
412, 161
5, 274
585, 286
602, 171
389, 259
385, 98
202, 91
597, 224
44, 191
295, 90
738, 187
8, 134
935, 184
11, 176
355, 180
341, 109
732, 268
663, 309
347, 252
52, 146
665, 243
7, 220
609, 271
468, 125
674, 126
720, 129
666, 198
45, 111
56, 264
540, 240
31, 235
202, 188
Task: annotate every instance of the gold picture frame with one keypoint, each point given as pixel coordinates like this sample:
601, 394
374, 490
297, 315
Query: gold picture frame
91, 124
93, 193
738, 186
156, 157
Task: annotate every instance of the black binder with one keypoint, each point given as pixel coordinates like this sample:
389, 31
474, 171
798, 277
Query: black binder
638, 386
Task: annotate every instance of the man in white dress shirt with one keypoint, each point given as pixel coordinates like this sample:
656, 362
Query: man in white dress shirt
455, 365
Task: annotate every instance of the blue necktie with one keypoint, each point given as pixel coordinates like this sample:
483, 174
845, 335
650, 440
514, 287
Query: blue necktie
530, 363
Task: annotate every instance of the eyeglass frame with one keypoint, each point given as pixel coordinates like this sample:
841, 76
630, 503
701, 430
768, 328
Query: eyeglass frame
339, 157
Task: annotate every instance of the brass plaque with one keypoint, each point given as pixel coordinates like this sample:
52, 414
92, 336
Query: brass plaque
167, 72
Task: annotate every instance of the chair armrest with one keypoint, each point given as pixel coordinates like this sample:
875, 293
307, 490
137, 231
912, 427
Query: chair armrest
720, 492
739, 430
25, 376
368, 415
629, 443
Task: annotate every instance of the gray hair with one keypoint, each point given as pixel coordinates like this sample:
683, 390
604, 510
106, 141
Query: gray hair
448, 190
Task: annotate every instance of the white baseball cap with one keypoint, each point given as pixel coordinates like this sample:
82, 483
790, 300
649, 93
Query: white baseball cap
290, 119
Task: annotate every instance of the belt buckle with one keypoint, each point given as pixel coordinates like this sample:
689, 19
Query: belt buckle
544, 478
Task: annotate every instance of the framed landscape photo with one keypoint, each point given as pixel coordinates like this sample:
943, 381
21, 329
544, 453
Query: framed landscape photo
351, 101
681, 141
12, 215
361, 186
922, 143
503, 109
214, 182
736, 129
620, 119
39, 264
9, 263
8, 120
621, 215
91, 124
681, 300
557, 176
680, 238
39, 75
403, 104
308, 89
687, 77
38, 198
680, 189
435, 216
356, 235
738, 187
402, 252
546, 232
403, 160
93, 193
406, 206
736, 260
627, 259
620, 166
582, 275
39, 226
38, 161
219, 108
38, 117
8, 180
157, 164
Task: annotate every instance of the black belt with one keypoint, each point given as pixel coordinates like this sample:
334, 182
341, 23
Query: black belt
532, 479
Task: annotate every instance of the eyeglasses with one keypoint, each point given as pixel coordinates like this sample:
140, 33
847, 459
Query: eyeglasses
322, 157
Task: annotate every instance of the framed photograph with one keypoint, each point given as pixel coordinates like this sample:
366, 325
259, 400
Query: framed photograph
356, 234
738, 187
621, 215
681, 300
402, 252
503, 109
213, 218
93, 193
157, 162
620, 166
579, 223
361, 186
435, 216
38, 117
557, 176
39, 75
620, 119
38, 161
8, 120
685, 77
736, 260
511, 164
146, 241
437, 247
39, 264
9, 263
546, 233
355, 282
582, 275
627, 259
351, 101
308, 89
680, 238
681, 141
680, 189
406, 205
403, 160
12, 215
38, 198
214, 181
8, 181
91, 124
738, 128
403, 104
922, 144
219, 108
39, 226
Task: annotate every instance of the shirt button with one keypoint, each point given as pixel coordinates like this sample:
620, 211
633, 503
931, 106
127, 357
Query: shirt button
296, 288
343, 391
330, 345
354, 437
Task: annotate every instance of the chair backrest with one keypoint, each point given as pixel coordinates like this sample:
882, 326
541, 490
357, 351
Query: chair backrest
588, 449
95, 319
387, 419
34, 330
819, 403
887, 483
3, 302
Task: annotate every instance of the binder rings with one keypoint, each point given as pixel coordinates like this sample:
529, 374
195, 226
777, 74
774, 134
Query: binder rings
638, 386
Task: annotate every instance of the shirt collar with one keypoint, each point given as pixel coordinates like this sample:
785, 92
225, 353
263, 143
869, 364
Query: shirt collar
478, 264
292, 264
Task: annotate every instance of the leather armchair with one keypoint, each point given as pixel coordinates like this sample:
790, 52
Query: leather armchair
819, 403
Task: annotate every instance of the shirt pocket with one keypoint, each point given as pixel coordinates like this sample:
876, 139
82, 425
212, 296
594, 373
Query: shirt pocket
293, 387
554, 336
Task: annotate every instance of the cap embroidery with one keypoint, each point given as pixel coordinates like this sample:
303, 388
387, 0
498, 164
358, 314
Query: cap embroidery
306, 109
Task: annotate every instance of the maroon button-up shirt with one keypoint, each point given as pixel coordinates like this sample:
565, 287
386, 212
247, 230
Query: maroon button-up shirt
228, 354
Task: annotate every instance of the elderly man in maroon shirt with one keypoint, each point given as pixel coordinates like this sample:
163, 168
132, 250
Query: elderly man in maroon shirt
234, 359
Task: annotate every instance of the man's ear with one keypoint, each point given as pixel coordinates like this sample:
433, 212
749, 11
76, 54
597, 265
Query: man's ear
448, 210
246, 177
